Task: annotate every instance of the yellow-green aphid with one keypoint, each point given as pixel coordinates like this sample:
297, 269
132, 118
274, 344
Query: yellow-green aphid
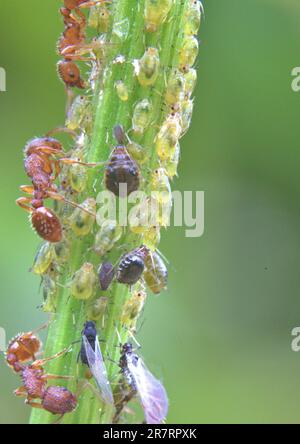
137, 152
151, 237
83, 283
171, 165
138, 217
156, 273
160, 185
167, 137
50, 292
188, 53
148, 67
156, 12
175, 88
192, 17
141, 118
164, 216
99, 17
82, 221
78, 177
109, 233
62, 252
97, 309
186, 115
190, 82
122, 90
79, 115
132, 309
43, 258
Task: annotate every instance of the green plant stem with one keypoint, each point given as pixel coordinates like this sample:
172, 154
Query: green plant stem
66, 324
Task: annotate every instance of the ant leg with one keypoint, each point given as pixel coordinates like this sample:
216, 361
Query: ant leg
83, 385
58, 197
41, 362
57, 169
21, 391
89, 4
29, 189
33, 404
23, 203
59, 419
47, 376
62, 129
69, 161
70, 97
75, 52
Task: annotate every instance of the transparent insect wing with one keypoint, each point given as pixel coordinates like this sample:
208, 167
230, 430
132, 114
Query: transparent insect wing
152, 393
97, 367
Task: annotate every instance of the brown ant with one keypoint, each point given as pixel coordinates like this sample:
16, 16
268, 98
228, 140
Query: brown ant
72, 41
54, 399
42, 165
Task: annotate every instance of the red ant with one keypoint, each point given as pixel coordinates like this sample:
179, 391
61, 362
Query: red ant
72, 40
54, 399
43, 167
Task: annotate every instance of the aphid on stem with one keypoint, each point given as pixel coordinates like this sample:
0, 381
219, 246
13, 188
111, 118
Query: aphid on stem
107, 236
83, 284
121, 168
156, 12
156, 273
43, 258
132, 309
141, 118
147, 68
81, 222
132, 265
106, 274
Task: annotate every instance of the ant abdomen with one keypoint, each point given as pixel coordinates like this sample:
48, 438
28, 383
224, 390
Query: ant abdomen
46, 224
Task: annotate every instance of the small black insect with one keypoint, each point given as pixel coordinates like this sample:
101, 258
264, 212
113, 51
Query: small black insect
90, 332
106, 273
132, 265
121, 168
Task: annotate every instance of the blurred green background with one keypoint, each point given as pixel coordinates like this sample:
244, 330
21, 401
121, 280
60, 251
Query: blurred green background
221, 336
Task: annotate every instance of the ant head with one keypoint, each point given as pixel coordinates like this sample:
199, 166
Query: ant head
89, 329
127, 348
34, 145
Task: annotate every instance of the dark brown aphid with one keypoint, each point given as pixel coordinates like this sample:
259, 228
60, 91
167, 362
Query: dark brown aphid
132, 265
122, 174
54, 399
106, 274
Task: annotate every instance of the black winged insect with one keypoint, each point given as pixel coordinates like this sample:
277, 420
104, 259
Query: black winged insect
90, 354
151, 392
